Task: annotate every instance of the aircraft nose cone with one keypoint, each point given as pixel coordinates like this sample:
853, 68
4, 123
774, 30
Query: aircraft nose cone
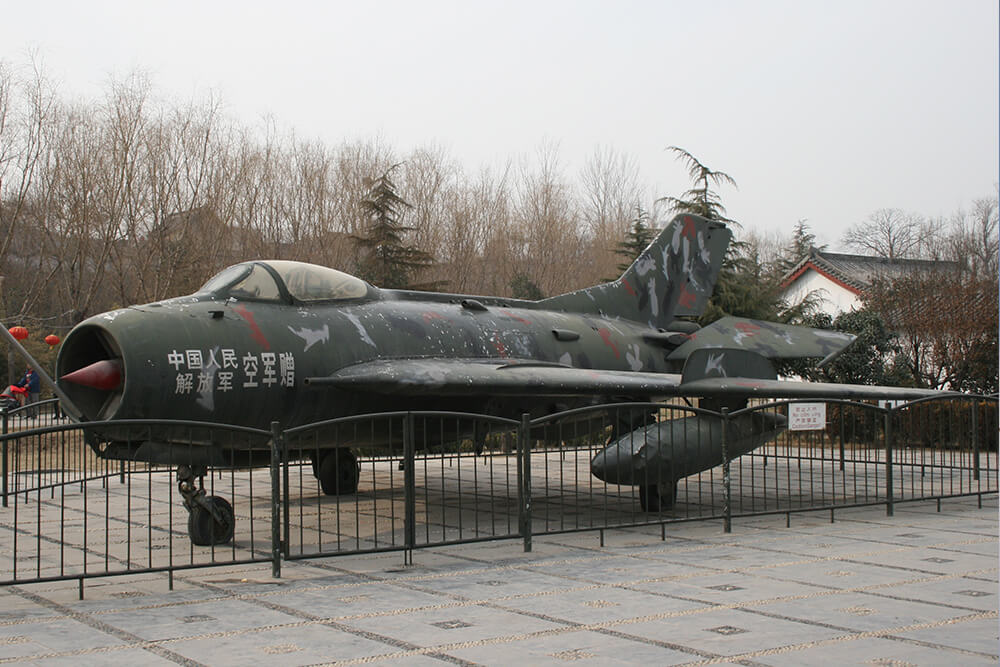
105, 375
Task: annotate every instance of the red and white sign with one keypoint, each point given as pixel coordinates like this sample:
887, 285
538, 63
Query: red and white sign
806, 416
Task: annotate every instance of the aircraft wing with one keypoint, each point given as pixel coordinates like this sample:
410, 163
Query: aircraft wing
454, 377
757, 388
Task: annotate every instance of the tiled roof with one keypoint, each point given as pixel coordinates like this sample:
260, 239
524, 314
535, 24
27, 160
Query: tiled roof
858, 272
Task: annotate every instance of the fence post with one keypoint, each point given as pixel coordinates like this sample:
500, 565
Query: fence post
841, 410
410, 490
5, 471
727, 511
888, 461
975, 440
524, 479
277, 445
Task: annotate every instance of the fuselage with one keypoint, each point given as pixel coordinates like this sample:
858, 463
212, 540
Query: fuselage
214, 357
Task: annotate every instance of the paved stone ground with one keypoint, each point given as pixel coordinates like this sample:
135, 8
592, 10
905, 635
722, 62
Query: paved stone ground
919, 588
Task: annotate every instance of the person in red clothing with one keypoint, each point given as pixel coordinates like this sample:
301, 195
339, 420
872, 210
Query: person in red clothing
33, 386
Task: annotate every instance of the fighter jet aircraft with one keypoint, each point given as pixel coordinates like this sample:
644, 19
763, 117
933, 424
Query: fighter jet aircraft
297, 343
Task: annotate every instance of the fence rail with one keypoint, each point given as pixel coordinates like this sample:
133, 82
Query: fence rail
414, 480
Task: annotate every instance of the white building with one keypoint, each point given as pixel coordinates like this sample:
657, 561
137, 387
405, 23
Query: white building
839, 280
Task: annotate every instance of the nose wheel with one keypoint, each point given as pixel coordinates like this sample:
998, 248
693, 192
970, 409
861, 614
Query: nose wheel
211, 519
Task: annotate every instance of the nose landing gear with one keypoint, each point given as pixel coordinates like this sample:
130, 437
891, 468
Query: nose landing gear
211, 519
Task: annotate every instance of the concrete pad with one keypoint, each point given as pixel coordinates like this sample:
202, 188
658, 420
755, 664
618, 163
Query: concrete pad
917, 588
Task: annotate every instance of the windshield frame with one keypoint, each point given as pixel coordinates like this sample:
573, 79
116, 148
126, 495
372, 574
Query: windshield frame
282, 273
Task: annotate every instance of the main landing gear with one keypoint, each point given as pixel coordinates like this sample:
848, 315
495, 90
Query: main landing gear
338, 471
210, 518
658, 497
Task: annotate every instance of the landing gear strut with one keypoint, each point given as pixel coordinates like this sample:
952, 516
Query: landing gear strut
210, 518
657, 497
338, 472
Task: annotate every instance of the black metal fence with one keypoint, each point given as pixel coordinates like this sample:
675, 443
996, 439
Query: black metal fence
432, 478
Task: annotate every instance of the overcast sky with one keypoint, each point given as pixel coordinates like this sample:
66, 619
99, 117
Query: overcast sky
819, 110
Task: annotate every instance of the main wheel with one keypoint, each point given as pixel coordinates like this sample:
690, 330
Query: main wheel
205, 530
657, 497
338, 473
649, 498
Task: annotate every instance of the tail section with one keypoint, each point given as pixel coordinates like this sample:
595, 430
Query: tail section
673, 277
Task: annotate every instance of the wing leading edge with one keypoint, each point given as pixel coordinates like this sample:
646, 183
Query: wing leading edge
458, 377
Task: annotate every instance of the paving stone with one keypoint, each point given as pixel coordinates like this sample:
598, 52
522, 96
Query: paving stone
52, 635
301, 645
433, 627
571, 648
728, 632
599, 604
870, 652
954, 591
196, 618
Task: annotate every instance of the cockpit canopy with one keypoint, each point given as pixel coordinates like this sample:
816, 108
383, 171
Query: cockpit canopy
271, 280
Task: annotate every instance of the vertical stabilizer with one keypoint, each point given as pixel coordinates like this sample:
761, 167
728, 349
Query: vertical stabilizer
673, 277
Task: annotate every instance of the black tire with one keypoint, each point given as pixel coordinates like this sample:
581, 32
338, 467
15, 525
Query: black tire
657, 498
204, 530
649, 498
338, 473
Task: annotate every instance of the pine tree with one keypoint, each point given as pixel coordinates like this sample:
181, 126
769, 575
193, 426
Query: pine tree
745, 287
803, 241
523, 287
637, 239
384, 260
700, 199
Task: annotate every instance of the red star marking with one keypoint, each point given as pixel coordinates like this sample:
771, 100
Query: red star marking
501, 348
687, 299
255, 331
605, 335
749, 328
628, 288
428, 316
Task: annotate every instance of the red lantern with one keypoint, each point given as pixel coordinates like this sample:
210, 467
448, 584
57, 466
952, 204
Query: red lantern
20, 333
52, 339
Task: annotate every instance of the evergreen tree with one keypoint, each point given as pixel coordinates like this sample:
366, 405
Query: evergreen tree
700, 199
803, 241
384, 259
747, 286
874, 358
637, 239
523, 287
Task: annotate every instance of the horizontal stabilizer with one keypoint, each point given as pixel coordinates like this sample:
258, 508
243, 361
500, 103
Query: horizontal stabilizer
726, 362
768, 339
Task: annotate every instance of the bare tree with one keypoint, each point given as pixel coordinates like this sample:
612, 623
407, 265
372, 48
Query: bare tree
610, 192
547, 235
888, 232
973, 239
946, 325
476, 243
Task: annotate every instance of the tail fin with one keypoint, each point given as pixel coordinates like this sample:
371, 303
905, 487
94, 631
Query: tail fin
673, 277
